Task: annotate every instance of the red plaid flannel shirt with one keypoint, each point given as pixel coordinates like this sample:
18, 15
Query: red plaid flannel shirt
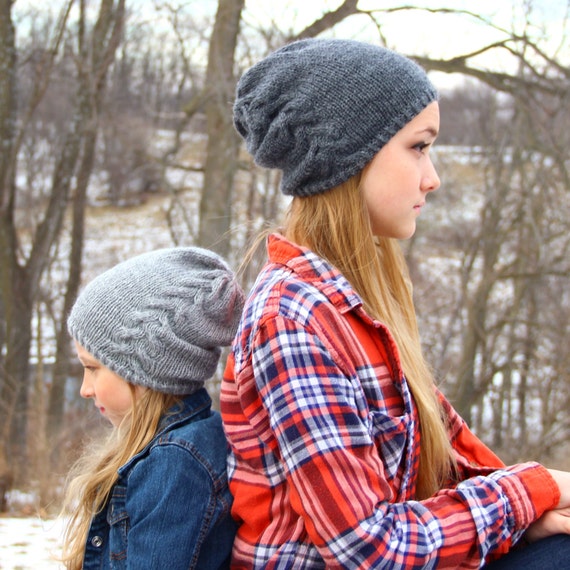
325, 441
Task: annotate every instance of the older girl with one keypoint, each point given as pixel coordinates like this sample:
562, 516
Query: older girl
344, 453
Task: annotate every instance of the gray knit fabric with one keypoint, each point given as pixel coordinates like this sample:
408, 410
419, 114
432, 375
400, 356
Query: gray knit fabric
160, 319
320, 109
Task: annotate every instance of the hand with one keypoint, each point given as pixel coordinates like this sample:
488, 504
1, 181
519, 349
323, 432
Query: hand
556, 521
550, 523
562, 479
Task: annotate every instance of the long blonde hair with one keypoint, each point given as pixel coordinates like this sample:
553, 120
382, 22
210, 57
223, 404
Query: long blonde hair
336, 226
94, 474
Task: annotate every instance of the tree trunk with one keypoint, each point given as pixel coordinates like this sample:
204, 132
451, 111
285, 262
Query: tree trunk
105, 41
20, 280
223, 143
12, 366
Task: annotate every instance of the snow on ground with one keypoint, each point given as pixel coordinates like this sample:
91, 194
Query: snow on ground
29, 543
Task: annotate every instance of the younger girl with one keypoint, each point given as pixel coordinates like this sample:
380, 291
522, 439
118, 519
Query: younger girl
148, 333
344, 454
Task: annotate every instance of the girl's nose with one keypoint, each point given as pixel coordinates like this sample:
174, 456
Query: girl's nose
86, 390
430, 181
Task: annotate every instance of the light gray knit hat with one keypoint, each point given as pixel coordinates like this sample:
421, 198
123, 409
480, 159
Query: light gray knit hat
160, 319
320, 109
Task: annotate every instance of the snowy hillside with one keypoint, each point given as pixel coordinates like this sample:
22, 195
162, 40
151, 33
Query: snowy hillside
29, 543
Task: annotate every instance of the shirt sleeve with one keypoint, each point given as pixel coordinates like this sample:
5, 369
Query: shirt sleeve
475, 459
170, 503
336, 476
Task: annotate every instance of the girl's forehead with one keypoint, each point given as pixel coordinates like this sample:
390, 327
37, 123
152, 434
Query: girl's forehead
84, 355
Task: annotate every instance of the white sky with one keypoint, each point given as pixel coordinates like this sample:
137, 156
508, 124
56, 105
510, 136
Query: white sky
419, 30
412, 32
435, 35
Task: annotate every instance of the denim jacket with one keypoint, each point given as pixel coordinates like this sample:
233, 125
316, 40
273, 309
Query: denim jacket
170, 508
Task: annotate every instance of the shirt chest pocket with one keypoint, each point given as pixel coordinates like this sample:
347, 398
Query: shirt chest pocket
390, 434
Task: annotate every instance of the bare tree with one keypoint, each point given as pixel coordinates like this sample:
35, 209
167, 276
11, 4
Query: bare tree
24, 262
8, 121
489, 316
95, 54
500, 316
489, 337
222, 146
20, 281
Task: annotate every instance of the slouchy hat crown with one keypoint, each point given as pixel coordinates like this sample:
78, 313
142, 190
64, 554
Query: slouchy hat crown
160, 319
320, 109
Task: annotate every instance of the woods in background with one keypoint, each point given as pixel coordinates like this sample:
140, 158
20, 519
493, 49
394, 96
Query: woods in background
100, 105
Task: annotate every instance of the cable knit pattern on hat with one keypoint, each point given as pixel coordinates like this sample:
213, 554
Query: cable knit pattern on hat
160, 319
320, 109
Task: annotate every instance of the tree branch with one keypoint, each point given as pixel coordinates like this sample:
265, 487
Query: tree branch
328, 20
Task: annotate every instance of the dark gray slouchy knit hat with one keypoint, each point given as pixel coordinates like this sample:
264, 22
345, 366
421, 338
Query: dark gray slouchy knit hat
160, 319
320, 109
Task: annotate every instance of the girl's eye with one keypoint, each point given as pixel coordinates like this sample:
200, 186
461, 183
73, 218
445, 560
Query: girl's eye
421, 146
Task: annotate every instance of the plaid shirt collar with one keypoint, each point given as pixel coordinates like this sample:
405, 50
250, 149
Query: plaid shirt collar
312, 268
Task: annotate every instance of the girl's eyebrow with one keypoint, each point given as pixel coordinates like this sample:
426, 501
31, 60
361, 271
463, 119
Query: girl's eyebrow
85, 360
429, 130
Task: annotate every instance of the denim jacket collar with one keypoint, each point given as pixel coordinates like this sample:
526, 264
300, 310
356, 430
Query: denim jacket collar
184, 411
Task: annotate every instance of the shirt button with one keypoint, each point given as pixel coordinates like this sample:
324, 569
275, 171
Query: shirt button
96, 541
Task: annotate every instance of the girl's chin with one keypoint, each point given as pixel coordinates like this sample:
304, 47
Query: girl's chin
401, 235
110, 419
